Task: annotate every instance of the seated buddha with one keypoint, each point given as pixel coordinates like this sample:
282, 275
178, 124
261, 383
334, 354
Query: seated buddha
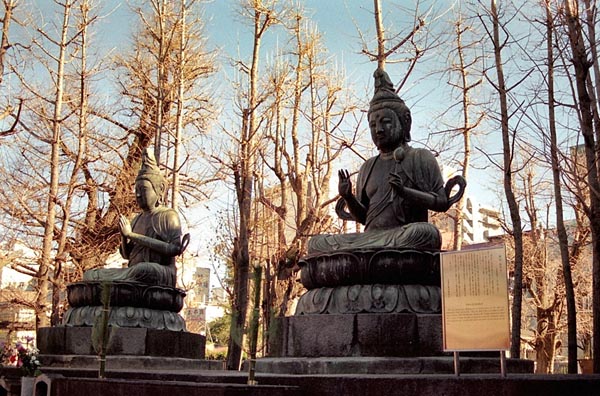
152, 240
395, 189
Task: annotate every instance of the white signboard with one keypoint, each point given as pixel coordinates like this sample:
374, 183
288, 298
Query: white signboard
475, 311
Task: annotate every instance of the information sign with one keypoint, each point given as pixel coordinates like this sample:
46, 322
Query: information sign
475, 310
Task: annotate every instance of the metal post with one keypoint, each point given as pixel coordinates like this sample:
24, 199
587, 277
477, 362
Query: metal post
456, 364
503, 363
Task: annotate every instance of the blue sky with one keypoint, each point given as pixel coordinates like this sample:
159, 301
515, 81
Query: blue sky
337, 20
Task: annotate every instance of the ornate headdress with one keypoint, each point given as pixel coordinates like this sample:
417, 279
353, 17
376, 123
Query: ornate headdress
386, 98
151, 172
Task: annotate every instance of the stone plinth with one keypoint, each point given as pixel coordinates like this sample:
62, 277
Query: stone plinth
129, 362
63, 340
389, 365
61, 386
345, 335
353, 384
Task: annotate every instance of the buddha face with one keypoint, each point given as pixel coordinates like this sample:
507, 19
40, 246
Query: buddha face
145, 194
386, 130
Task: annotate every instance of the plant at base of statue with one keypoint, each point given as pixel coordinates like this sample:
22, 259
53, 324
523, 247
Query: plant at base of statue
22, 355
100, 331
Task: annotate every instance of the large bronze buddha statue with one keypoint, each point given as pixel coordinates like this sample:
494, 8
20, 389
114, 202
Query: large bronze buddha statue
394, 264
395, 189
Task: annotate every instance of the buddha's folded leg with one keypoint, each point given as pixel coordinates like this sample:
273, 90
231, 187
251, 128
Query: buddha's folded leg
145, 272
422, 236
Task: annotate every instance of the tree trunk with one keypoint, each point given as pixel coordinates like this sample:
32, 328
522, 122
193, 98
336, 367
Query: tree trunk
546, 337
380, 35
180, 106
560, 223
46, 256
244, 176
9, 6
466, 86
582, 64
513, 206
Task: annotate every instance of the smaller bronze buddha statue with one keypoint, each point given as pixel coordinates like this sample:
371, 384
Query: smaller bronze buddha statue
152, 240
144, 293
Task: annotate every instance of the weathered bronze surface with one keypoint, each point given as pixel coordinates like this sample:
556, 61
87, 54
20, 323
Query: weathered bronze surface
152, 240
144, 293
393, 266
395, 189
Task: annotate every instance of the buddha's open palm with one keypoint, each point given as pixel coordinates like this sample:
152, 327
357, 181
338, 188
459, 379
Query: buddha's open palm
124, 226
344, 184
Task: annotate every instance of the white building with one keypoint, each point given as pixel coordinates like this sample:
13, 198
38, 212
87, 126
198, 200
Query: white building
479, 222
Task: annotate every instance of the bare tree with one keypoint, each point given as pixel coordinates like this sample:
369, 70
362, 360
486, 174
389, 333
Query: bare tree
408, 46
582, 65
508, 167
5, 45
43, 278
465, 78
542, 278
263, 14
560, 223
300, 156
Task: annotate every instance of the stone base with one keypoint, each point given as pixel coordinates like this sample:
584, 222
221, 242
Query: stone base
126, 317
377, 335
124, 362
389, 365
167, 383
60, 386
122, 341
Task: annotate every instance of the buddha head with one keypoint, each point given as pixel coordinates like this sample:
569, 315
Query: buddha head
389, 118
150, 184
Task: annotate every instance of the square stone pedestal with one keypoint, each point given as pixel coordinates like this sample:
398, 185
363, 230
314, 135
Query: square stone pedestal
62, 340
364, 334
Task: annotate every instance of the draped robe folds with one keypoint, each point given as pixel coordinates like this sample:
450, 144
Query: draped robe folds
392, 221
146, 265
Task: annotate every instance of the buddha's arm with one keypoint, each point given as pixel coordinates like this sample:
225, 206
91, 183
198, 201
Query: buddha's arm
432, 200
356, 209
436, 201
125, 248
170, 249
431, 194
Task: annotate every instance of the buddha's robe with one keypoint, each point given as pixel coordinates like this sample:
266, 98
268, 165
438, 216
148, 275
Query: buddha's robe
146, 265
392, 221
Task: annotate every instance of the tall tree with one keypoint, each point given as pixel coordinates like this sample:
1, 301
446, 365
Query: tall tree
557, 184
581, 65
300, 156
43, 277
465, 78
264, 15
498, 43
